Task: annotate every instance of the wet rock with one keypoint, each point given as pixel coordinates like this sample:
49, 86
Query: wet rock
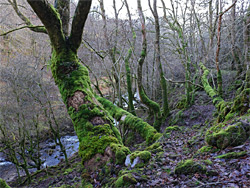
128, 161
136, 161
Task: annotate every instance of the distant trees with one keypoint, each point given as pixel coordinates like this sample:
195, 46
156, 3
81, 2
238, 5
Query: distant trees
149, 55
27, 112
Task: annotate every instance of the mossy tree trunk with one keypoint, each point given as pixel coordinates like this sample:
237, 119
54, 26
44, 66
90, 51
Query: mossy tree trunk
182, 51
158, 59
131, 107
247, 48
226, 110
93, 126
155, 107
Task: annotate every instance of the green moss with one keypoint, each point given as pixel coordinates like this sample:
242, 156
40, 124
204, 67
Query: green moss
129, 138
196, 126
189, 167
209, 90
93, 125
223, 135
125, 118
193, 140
129, 83
143, 53
172, 128
232, 155
155, 148
207, 149
143, 155
125, 180
208, 162
67, 171
154, 106
3, 184
230, 110
120, 153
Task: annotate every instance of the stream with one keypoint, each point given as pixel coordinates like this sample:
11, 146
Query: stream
50, 154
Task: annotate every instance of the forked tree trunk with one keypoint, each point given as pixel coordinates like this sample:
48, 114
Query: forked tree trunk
98, 137
93, 125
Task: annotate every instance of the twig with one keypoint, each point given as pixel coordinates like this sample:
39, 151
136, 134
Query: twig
91, 48
213, 183
183, 82
19, 28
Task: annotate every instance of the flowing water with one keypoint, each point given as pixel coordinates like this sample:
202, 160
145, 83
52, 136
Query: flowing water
50, 154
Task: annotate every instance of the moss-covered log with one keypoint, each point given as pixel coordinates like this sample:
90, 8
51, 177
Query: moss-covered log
134, 123
223, 135
209, 90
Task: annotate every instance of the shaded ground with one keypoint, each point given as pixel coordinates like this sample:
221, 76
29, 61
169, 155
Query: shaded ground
159, 172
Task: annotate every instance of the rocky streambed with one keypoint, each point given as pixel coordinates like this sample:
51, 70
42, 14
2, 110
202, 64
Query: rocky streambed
50, 154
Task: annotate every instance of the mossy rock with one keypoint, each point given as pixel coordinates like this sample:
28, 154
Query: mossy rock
172, 128
189, 167
232, 155
239, 106
207, 149
120, 153
144, 157
223, 135
125, 180
3, 184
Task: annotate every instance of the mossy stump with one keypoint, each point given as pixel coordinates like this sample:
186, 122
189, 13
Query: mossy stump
189, 167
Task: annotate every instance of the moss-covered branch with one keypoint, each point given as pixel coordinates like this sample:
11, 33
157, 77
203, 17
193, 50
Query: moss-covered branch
23, 27
209, 90
227, 110
51, 20
134, 123
63, 8
28, 23
80, 17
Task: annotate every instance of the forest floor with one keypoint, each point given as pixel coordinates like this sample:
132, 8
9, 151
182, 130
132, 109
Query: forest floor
180, 144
